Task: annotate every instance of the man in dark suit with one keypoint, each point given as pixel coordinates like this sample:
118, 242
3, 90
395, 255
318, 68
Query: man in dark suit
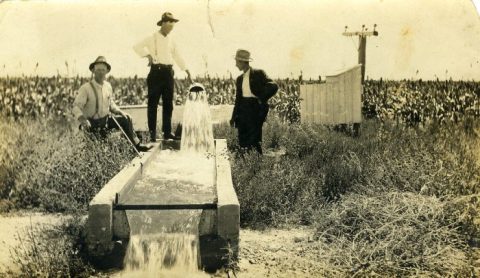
254, 89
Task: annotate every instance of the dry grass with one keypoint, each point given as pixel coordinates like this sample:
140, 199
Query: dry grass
50, 251
392, 234
395, 202
48, 166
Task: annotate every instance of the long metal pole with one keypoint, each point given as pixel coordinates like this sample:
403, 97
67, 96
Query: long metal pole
131, 143
164, 206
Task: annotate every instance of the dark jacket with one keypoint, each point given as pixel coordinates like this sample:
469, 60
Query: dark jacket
261, 86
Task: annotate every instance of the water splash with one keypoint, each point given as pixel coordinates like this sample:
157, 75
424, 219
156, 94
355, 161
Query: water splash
197, 131
163, 244
163, 255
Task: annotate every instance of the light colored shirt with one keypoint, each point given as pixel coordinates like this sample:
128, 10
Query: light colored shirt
85, 102
246, 92
162, 49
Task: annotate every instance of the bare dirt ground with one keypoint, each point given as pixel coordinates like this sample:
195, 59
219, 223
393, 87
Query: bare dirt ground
278, 253
14, 225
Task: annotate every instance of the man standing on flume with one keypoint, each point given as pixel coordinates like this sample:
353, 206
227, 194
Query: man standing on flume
254, 89
161, 51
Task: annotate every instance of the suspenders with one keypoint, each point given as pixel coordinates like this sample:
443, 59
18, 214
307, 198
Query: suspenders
100, 122
97, 104
155, 45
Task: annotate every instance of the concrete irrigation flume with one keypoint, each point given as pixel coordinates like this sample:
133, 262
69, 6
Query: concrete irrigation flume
110, 222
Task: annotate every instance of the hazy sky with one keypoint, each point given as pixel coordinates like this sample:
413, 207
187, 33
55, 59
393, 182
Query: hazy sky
285, 37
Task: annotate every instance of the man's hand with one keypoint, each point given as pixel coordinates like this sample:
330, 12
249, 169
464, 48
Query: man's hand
189, 77
123, 114
150, 59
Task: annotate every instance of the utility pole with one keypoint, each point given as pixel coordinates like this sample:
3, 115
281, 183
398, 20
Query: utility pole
362, 44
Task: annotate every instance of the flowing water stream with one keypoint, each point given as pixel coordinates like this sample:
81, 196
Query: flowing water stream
166, 243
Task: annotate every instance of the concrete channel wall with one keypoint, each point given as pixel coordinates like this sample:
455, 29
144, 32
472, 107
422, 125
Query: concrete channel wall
220, 114
218, 229
100, 224
228, 207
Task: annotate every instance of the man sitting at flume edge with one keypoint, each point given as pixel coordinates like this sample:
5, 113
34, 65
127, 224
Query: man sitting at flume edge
94, 106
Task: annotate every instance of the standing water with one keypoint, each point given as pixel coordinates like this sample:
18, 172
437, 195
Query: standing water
165, 243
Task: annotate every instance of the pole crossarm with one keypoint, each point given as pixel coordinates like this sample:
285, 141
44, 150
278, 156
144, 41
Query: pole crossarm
360, 33
362, 44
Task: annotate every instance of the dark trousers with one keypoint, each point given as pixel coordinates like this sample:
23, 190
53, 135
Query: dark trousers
103, 125
160, 83
249, 122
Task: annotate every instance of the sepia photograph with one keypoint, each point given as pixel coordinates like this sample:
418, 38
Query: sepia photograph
240, 138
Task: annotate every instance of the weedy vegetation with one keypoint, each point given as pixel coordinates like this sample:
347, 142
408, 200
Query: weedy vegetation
51, 251
46, 166
395, 201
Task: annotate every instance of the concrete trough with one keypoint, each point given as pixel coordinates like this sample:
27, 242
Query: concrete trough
219, 225
220, 114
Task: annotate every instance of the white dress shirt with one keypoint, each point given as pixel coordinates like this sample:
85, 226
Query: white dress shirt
246, 92
163, 50
85, 102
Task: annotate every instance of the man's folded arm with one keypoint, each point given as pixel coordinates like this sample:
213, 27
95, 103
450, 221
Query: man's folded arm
270, 87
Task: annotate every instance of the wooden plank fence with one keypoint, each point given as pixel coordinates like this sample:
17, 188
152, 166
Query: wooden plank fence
338, 101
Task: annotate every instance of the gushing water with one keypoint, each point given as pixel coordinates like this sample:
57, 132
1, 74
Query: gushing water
176, 177
163, 253
165, 243
197, 133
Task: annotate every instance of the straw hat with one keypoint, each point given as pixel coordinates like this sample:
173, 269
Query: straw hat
243, 55
100, 60
166, 17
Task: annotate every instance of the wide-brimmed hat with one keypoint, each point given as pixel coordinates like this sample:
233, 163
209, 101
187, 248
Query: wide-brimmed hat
243, 55
167, 16
100, 60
